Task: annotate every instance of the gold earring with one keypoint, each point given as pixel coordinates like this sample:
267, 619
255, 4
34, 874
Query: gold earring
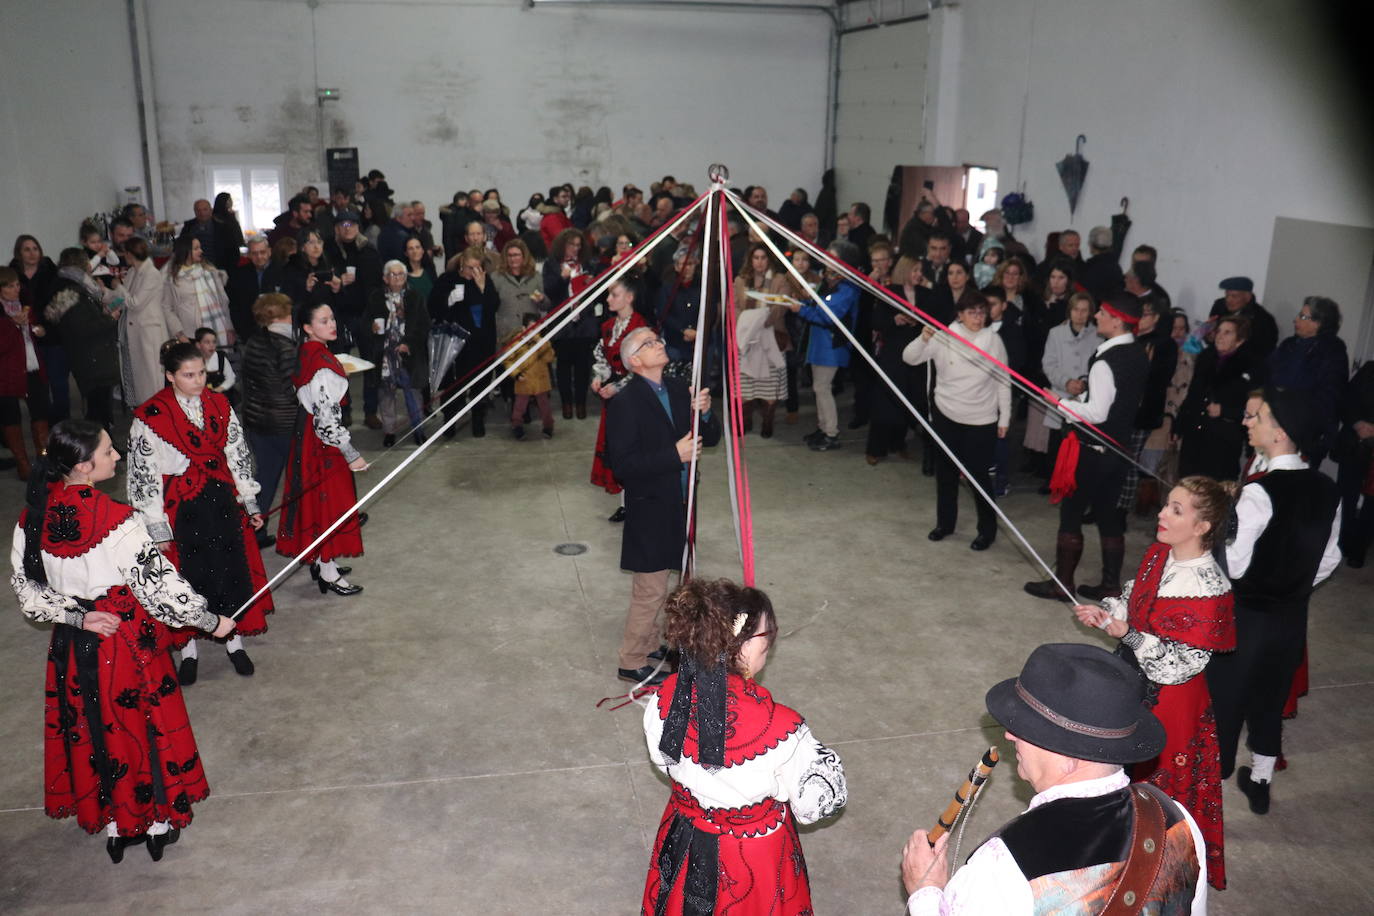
748, 673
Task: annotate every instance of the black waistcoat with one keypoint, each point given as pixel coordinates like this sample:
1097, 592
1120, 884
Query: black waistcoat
1289, 550
1130, 367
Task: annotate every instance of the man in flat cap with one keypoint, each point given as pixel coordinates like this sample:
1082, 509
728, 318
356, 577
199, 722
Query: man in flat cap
1287, 528
1117, 373
1076, 716
1238, 298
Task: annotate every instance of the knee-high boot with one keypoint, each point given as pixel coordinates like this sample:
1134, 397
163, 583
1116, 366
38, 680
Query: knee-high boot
1068, 550
769, 409
748, 409
14, 440
1113, 555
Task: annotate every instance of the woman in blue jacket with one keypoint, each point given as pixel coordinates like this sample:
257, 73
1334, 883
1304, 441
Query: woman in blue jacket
828, 351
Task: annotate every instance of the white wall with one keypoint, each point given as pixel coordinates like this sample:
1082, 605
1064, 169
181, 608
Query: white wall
448, 96
70, 143
1213, 118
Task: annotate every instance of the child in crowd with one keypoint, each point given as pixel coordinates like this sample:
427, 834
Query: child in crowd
532, 380
219, 374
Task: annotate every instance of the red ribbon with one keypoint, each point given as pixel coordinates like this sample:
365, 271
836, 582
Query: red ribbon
1064, 480
1128, 319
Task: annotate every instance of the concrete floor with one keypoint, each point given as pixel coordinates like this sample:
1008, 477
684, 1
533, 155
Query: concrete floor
434, 746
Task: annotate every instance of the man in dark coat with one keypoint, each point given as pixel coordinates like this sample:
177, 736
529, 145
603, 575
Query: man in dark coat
360, 268
650, 445
249, 281
1101, 274
1239, 299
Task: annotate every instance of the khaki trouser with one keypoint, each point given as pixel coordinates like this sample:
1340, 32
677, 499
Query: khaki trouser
827, 417
647, 592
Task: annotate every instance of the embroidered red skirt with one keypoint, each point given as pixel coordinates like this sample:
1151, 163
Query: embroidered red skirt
319, 488
1189, 767
117, 744
602, 475
759, 865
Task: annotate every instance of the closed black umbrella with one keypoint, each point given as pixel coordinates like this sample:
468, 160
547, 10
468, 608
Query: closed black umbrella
1073, 168
1121, 224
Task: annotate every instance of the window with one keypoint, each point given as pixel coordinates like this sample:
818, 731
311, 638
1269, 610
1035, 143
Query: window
981, 194
254, 182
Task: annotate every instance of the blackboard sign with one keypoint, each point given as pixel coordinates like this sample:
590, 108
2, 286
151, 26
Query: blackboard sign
342, 162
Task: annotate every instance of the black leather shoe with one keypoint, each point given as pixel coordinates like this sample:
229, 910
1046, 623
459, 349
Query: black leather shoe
980, 543
186, 674
159, 842
315, 571
659, 653
618, 515
1045, 589
939, 534
1257, 792
116, 845
362, 519
858, 422
241, 662
635, 675
337, 588
265, 541
388, 440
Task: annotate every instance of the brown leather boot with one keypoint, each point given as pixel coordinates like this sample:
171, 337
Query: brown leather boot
1113, 554
14, 440
769, 410
1068, 550
39, 429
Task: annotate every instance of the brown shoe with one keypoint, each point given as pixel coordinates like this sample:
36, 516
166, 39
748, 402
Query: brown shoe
582, 411
872, 460
790, 418
567, 411
372, 421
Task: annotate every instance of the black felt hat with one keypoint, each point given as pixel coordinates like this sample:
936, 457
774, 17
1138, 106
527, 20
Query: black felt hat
1080, 701
1238, 285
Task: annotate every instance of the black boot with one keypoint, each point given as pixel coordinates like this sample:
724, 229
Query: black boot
160, 841
1113, 554
116, 845
1068, 551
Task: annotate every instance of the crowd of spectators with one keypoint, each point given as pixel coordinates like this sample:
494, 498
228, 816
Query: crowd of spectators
100, 313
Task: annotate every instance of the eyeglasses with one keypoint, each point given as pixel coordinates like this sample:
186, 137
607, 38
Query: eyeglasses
1306, 316
651, 342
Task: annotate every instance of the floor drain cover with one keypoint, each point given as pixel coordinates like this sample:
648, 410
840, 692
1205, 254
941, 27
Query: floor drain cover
570, 550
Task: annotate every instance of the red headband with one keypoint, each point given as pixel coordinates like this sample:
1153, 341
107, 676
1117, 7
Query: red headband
1129, 319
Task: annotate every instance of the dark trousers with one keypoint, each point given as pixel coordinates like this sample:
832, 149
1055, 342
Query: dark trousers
270, 451
574, 368
1099, 479
1357, 521
100, 405
37, 401
793, 391
1250, 685
974, 447
55, 361
885, 437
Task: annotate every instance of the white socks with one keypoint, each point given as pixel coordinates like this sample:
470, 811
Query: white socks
157, 828
622, 499
329, 571
234, 644
189, 650
1262, 768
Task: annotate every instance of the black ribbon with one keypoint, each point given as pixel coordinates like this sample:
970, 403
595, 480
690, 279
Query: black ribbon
70, 643
701, 850
709, 712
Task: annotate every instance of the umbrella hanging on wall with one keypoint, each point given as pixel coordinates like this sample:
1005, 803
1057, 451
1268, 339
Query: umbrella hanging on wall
1073, 168
1121, 224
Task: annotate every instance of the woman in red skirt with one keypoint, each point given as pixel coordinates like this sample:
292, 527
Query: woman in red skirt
1170, 619
745, 769
319, 471
191, 480
118, 749
609, 376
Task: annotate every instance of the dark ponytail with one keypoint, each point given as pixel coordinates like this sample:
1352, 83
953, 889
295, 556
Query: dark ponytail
69, 443
176, 354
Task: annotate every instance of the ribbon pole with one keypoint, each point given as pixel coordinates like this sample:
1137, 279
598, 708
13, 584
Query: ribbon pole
901, 396
606, 279
689, 560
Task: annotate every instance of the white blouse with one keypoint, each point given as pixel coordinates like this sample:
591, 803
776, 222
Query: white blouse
127, 556
1165, 661
151, 457
322, 397
800, 771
